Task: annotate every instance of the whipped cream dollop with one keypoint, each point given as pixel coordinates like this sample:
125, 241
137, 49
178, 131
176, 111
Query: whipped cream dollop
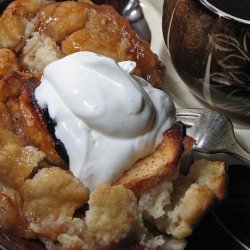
106, 118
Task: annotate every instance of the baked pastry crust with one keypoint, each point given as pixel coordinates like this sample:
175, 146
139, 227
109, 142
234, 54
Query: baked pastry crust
147, 172
43, 31
27, 120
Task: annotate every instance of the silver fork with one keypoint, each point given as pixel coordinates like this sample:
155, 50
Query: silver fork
213, 132
133, 11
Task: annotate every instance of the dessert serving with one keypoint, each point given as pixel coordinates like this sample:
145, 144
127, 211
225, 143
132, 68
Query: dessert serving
91, 156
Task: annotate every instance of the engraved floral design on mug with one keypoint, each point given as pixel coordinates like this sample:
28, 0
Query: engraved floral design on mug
228, 66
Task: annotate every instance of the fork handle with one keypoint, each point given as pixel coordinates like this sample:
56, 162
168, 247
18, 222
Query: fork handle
237, 151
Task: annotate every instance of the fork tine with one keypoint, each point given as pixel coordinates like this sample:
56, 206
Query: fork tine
190, 117
190, 125
213, 132
192, 112
189, 121
190, 131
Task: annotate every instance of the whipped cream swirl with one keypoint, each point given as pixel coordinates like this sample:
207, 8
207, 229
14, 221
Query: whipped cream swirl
106, 118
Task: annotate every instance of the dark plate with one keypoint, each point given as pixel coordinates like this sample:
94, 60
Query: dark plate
226, 227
